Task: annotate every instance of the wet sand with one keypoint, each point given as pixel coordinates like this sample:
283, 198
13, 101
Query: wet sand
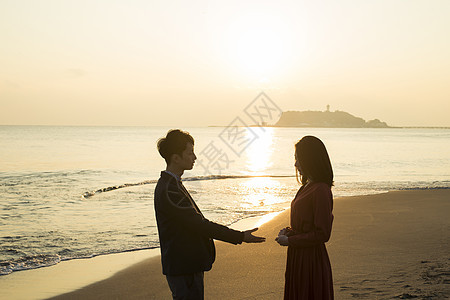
386, 246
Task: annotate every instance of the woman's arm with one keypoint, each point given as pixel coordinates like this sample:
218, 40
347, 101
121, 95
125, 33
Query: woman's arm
323, 219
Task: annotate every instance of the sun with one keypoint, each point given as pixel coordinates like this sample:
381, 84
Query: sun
258, 46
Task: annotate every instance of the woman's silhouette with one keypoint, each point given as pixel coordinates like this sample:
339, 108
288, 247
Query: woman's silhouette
308, 268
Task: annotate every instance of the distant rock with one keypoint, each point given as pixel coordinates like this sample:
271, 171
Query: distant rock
376, 124
339, 119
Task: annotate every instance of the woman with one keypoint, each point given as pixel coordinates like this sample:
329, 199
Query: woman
308, 268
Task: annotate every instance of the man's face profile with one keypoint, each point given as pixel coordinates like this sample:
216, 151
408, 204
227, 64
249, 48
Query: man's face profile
187, 158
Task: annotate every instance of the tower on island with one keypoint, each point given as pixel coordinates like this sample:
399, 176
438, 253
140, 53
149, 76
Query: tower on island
328, 108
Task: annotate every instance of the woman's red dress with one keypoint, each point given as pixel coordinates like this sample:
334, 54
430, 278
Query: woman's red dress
308, 268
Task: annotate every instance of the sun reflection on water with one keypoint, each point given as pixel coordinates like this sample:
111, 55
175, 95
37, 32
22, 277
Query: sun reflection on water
259, 192
259, 152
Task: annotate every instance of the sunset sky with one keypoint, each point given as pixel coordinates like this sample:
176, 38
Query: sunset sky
197, 63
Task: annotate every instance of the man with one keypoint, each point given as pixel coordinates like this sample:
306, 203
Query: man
185, 235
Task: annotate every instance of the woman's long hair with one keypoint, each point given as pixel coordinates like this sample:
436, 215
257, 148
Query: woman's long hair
314, 161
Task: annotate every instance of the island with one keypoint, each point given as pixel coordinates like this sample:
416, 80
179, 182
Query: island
327, 119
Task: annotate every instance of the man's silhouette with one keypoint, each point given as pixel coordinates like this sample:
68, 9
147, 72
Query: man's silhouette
186, 236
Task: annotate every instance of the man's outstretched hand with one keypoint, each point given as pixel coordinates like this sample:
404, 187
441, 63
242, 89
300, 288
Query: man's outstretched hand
250, 238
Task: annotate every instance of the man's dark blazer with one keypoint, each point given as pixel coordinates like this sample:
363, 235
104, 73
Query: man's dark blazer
185, 235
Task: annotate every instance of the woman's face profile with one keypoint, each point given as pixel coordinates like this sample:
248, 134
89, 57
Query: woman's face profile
297, 164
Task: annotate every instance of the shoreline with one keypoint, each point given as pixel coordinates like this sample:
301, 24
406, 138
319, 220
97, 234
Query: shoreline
73, 274
385, 245
69, 275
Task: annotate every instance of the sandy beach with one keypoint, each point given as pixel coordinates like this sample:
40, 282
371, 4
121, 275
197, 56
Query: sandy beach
385, 246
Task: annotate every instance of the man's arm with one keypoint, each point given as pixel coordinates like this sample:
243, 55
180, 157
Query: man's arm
184, 213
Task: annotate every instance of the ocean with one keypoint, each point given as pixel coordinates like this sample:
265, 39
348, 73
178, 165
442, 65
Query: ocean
78, 192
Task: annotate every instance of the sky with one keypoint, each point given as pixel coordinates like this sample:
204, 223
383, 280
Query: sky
200, 63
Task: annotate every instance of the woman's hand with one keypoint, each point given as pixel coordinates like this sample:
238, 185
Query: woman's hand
283, 231
282, 239
286, 231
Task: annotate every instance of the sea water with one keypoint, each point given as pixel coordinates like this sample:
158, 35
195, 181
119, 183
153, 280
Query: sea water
77, 192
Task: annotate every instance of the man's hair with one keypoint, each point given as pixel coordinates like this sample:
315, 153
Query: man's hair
174, 143
314, 160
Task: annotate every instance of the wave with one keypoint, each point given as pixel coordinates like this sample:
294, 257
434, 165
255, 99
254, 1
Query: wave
425, 188
194, 178
9, 179
46, 260
28, 262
